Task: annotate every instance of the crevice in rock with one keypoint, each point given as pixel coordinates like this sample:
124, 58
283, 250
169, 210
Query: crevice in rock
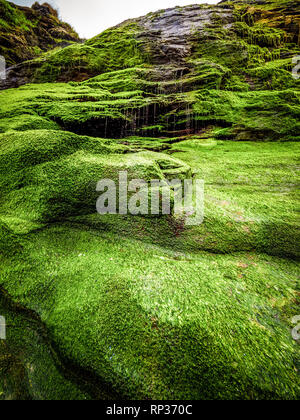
86, 380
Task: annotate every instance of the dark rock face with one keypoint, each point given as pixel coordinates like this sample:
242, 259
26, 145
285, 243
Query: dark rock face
18, 75
44, 9
26, 32
169, 40
170, 33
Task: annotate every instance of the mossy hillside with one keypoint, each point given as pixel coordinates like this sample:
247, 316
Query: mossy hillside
243, 32
138, 343
148, 306
131, 94
12, 17
165, 325
152, 80
239, 57
260, 35
52, 175
114, 49
26, 122
251, 194
273, 75
250, 201
46, 150
26, 32
270, 12
250, 42
257, 116
84, 109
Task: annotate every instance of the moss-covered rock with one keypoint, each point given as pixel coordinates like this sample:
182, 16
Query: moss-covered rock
249, 34
144, 306
26, 32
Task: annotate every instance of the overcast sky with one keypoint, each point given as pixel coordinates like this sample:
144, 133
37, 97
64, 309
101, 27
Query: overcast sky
90, 17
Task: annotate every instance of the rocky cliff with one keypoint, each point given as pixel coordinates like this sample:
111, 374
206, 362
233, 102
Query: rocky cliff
26, 32
167, 59
250, 32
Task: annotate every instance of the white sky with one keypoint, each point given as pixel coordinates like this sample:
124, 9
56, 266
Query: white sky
90, 17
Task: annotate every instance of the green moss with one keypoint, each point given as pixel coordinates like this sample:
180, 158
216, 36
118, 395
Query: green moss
254, 116
144, 307
26, 358
100, 106
261, 35
48, 176
251, 195
274, 75
12, 16
114, 49
26, 122
150, 341
236, 83
26, 32
9, 243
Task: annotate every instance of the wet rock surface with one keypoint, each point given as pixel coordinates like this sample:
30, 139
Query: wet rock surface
167, 40
172, 31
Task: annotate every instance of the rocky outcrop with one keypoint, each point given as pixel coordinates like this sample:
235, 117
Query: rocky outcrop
173, 42
280, 14
144, 307
26, 32
148, 76
168, 35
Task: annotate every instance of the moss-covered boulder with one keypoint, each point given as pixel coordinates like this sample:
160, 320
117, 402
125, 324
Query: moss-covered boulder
144, 306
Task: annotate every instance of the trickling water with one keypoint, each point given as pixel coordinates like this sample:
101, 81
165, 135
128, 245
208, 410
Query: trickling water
181, 81
154, 113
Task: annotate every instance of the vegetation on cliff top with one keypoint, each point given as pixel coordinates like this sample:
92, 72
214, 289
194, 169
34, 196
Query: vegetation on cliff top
26, 32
